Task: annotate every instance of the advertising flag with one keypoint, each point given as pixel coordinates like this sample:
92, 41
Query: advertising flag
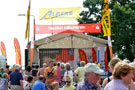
105, 21
59, 13
27, 25
3, 49
83, 56
18, 52
94, 55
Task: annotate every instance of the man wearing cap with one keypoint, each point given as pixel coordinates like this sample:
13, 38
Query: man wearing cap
92, 75
16, 79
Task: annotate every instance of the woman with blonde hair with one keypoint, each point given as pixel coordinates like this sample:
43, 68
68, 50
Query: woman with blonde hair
112, 63
122, 77
68, 85
68, 71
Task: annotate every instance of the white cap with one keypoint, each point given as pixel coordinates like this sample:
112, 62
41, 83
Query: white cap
17, 67
92, 67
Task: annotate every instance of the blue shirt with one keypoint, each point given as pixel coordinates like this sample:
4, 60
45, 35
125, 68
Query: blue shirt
116, 84
86, 85
38, 85
15, 77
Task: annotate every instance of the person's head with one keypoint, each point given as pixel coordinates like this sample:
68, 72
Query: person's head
17, 67
123, 71
28, 68
41, 78
113, 62
7, 66
68, 80
126, 61
51, 63
62, 65
58, 64
5, 75
30, 78
44, 65
2, 70
133, 64
25, 77
68, 66
55, 85
92, 72
82, 63
36, 66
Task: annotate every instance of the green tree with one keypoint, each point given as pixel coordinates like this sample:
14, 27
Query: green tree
122, 24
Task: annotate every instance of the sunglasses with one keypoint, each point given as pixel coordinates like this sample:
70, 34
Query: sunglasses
67, 81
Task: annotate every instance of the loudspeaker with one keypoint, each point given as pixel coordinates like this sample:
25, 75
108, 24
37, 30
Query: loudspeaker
26, 58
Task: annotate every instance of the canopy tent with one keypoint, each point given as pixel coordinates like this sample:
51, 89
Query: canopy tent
70, 40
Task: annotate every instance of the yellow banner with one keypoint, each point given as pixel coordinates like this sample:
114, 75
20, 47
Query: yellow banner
105, 21
59, 13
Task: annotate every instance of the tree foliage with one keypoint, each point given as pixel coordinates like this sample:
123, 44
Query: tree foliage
122, 14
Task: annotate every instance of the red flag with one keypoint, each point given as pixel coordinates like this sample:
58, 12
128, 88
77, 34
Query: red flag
3, 49
18, 52
106, 66
94, 55
83, 56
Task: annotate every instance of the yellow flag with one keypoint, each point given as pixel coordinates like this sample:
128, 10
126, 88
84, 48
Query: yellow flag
105, 21
27, 25
59, 13
105, 1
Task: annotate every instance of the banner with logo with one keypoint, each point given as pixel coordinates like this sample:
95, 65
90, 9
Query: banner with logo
92, 28
18, 52
59, 13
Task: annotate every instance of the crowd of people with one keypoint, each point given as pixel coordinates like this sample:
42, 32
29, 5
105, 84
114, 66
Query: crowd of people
60, 76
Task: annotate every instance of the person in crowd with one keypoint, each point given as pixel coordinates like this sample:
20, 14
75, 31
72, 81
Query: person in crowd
39, 85
4, 81
79, 72
25, 80
28, 71
34, 72
28, 85
68, 71
16, 79
126, 61
1, 71
41, 70
7, 69
62, 74
92, 75
112, 63
50, 73
68, 85
55, 85
58, 69
122, 77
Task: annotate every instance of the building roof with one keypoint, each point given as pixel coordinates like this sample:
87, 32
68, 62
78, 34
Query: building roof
70, 40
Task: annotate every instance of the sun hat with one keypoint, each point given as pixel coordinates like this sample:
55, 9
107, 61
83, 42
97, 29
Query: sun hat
92, 67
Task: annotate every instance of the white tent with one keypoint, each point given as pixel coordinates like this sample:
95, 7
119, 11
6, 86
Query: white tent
2, 62
67, 41
70, 40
